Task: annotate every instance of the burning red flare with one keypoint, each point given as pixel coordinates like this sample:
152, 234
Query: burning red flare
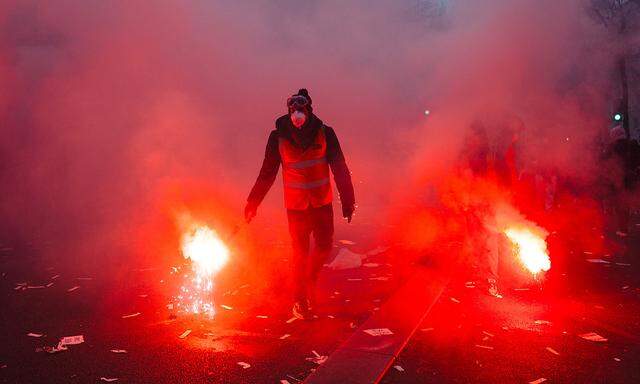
530, 248
208, 254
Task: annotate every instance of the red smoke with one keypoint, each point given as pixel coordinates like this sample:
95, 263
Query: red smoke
115, 115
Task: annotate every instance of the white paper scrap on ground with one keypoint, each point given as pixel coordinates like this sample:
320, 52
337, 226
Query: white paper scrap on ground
284, 336
538, 381
185, 334
31, 334
398, 368
55, 349
317, 358
377, 251
262, 317
345, 259
119, 350
370, 265
455, 300
108, 379
346, 242
244, 365
592, 336
228, 308
73, 288
598, 261
378, 331
71, 340
291, 320
553, 351
131, 315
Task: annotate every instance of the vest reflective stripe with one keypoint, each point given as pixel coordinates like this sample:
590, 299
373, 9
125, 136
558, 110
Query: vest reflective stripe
309, 185
306, 163
305, 173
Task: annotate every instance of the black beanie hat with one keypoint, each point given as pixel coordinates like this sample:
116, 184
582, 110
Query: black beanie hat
305, 93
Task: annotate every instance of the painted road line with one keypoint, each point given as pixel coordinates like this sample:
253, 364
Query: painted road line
367, 354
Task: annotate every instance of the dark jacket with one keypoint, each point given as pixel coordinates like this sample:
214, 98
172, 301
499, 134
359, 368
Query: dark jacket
302, 137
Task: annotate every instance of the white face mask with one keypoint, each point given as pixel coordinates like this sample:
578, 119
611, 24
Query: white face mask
298, 118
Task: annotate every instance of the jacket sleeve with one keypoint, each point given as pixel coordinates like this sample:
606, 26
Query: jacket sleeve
268, 171
338, 164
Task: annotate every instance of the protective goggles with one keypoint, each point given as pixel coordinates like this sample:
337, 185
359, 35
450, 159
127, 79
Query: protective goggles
297, 101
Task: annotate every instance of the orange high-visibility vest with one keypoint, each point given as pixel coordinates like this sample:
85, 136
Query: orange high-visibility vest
305, 173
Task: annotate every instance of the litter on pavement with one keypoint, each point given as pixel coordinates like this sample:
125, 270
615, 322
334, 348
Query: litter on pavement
317, 358
538, 381
370, 265
398, 368
108, 379
455, 300
244, 365
598, 261
345, 259
377, 251
378, 331
31, 334
346, 242
62, 344
71, 340
284, 336
119, 350
553, 351
131, 315
592, 336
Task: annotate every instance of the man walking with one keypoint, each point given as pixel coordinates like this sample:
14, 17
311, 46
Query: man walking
307, 150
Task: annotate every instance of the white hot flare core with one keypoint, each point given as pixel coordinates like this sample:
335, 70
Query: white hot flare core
530, 248
208, 254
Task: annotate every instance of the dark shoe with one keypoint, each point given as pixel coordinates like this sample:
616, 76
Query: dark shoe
493, 289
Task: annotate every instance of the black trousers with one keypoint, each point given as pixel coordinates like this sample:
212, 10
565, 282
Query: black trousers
307, 264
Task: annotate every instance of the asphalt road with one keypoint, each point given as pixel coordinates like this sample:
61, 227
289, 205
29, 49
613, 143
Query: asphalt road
254, 331
468, 337
534, 335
